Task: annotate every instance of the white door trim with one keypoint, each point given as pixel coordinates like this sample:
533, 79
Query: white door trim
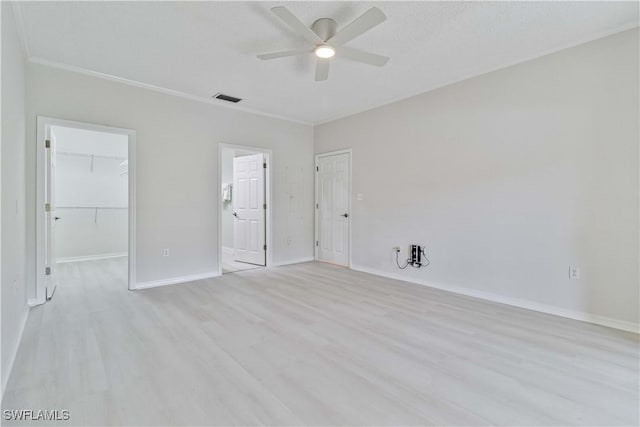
348, 151
43, 123
268, 198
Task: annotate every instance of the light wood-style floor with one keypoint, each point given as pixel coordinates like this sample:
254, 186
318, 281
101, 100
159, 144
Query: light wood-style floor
312, 344
229, 265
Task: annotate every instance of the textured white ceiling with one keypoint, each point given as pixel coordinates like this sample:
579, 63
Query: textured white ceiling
200, 48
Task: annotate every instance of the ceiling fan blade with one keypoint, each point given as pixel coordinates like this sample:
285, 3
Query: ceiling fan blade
322, 69
283, 54
362, 56
298, 26
364, 23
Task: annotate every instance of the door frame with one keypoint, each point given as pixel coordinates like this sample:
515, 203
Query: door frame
316, 236
43, 126
268, 197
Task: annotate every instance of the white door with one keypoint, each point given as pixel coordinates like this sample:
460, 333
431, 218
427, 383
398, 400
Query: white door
333, 193
50, 216
249, 209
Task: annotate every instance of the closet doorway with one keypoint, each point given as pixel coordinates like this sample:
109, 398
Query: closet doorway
85, 208
244, 214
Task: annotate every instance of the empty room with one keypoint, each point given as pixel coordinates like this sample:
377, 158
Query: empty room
320, 213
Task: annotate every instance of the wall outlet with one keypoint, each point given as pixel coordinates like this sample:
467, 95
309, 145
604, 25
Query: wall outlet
396, 249
165, 252
574, 272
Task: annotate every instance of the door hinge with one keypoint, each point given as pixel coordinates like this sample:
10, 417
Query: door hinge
47, 207
317, 169
265, 247
316, 243
264, 206
317, 206
47, 271
47, 144
264, 165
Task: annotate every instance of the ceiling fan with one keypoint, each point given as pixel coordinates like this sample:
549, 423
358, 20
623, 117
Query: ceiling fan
327, 42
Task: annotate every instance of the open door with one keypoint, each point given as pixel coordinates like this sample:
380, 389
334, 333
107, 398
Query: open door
50, 215
249, 209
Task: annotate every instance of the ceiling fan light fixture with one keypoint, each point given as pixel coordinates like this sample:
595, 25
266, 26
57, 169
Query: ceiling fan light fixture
323, 39
325, 52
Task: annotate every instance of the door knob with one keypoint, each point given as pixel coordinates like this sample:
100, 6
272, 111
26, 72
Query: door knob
235, 214
346, 215
55, 218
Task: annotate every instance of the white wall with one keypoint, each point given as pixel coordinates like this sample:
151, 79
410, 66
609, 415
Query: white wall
14, 288
509, 178
82, 182
177, 158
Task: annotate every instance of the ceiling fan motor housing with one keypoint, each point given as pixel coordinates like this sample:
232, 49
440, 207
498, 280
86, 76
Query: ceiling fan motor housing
325, 28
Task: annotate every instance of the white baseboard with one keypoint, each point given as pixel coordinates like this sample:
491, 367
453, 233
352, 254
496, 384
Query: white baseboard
227, 250
291, 261
14, 353
175, 280
91, 257
530, 305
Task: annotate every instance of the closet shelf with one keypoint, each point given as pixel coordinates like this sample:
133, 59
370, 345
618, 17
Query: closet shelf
124, 161
91, 207
95, 209
67, 153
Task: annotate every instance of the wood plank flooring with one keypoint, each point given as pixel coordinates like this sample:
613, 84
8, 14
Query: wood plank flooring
229, 265
312, 344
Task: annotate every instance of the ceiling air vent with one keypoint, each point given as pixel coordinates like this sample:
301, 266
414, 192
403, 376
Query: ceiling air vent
228, 98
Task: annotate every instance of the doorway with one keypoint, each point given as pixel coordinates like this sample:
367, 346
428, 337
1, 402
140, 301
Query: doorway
333, 207
244, 208
86, 205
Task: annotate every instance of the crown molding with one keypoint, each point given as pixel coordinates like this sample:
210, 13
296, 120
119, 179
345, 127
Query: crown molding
565, 46
22, 36
41, 61
154, 88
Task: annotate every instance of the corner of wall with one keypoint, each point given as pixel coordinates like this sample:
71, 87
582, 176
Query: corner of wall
12, 357
13, 255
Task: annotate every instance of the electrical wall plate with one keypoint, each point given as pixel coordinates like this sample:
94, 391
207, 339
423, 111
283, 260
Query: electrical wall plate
574, 272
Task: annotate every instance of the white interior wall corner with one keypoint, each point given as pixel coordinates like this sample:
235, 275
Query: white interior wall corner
176, 210
509, 178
